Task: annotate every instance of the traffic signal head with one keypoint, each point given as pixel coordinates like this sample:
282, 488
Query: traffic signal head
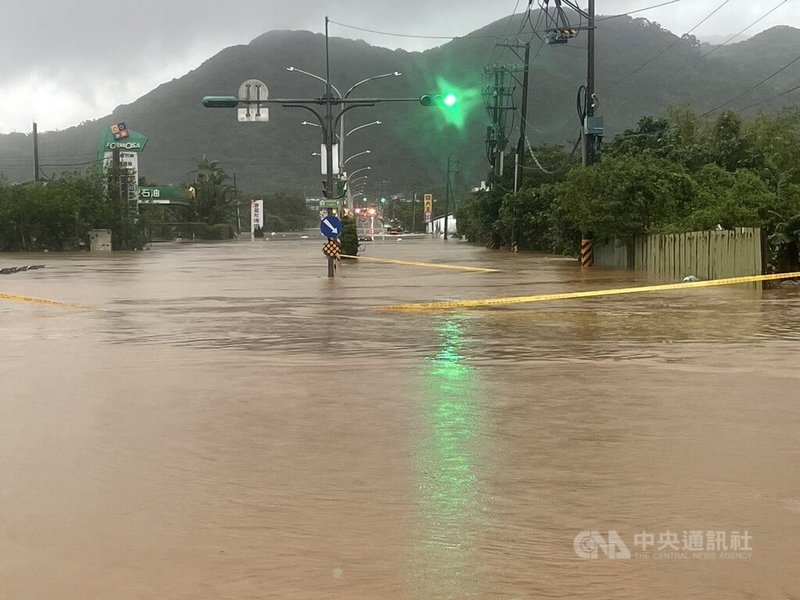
383, 200
221, 101
453, 103
340, 188
448, 100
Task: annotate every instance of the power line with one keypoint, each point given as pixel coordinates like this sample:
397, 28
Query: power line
789, 91
508, 23
677, 41
638, 10
486, 37
408, 35
726, 42
751, 88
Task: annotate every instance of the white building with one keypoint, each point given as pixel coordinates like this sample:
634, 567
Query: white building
436, 227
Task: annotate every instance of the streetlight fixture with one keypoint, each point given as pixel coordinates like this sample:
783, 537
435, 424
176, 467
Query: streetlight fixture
358, 171
322, 79
344, 97
350, 90
349, 158
360, 127
310, 123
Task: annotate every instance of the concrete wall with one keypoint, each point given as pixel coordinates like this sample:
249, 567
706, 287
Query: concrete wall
100, 240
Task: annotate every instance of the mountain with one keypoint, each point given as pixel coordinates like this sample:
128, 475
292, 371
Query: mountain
409, 150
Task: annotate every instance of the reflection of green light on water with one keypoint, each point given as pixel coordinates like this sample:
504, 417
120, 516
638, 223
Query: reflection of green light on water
448, 478
452, 419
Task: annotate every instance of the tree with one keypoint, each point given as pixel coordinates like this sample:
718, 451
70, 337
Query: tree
623, 197
213, 201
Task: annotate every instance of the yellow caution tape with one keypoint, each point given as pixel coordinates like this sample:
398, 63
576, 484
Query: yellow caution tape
14, 298
427, 306
422, 264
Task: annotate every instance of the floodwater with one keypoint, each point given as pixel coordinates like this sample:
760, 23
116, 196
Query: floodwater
222, 421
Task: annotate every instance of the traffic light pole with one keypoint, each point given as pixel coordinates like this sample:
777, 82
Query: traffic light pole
326, 119
329, 124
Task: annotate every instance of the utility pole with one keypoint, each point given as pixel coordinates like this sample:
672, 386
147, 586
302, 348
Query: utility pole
590, 139
501, 103
561, 33
453, 166
589, 135
35, 152
591, 125
236, 198
414, 213
524, 121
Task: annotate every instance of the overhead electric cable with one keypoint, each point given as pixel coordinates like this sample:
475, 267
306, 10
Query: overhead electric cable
407, 35
789, 91
638, 10
751, 88
677, 41
726, 42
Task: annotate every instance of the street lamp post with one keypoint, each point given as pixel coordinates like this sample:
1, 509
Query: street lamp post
344, 97
325, 117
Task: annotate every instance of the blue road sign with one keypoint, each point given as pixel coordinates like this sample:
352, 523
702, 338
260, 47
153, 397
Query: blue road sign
331, 227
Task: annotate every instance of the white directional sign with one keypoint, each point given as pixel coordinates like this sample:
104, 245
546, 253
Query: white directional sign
254, 90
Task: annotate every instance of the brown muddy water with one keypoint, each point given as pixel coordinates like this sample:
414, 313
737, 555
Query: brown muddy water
222, 421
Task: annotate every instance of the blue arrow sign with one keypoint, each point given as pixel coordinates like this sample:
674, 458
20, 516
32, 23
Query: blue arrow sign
331, 227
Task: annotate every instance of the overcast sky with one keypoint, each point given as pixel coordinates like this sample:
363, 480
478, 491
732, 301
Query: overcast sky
65, 61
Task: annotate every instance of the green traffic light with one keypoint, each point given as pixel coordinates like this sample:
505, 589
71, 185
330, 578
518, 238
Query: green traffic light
383, 200
450, 100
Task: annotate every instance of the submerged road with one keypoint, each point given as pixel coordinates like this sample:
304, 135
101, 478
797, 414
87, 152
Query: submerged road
222, 421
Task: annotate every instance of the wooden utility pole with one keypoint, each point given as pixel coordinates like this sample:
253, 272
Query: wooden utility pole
35, 152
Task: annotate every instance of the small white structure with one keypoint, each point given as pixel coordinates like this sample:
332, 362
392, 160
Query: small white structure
436, 227
100, 240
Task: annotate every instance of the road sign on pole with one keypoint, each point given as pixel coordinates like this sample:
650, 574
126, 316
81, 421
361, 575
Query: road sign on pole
331, 227
428, 198
253, 90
